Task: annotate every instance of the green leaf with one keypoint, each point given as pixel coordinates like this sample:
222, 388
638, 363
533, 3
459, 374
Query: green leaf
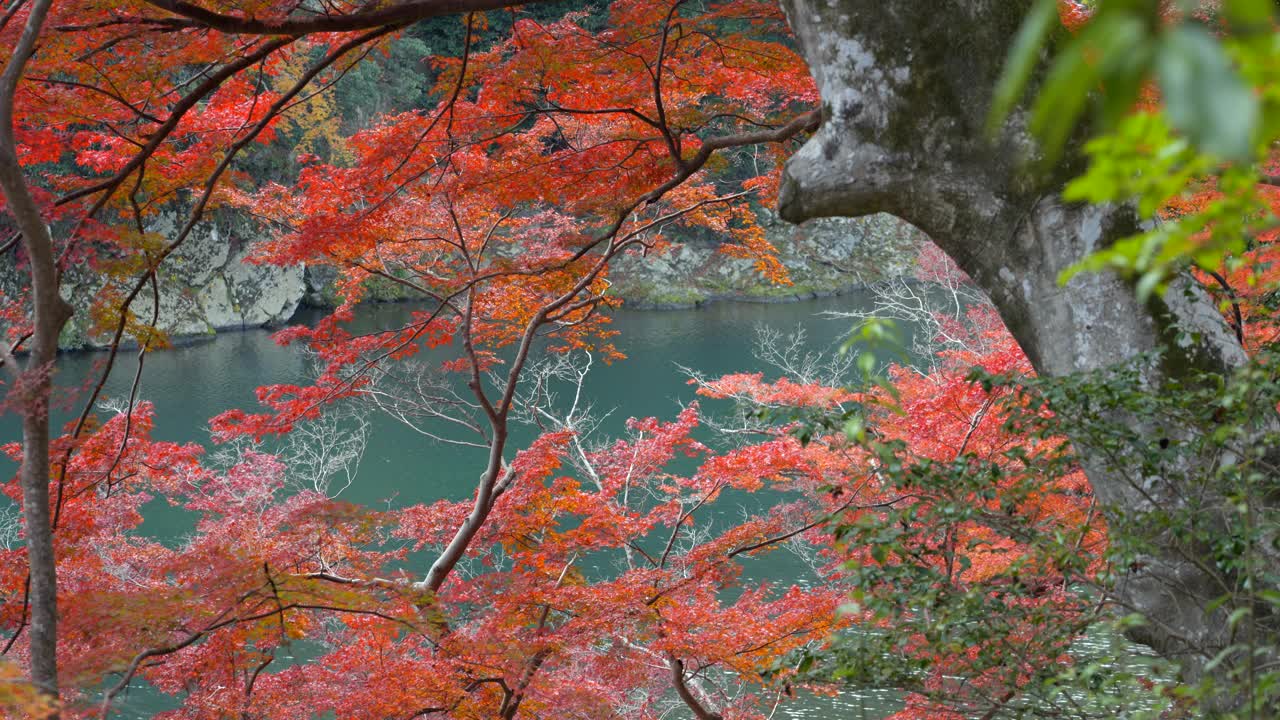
1021, 61
1204, 96
867, 363
1080, 70
1061, 101
855, 429
1236, 616
1249, 13
1124, 68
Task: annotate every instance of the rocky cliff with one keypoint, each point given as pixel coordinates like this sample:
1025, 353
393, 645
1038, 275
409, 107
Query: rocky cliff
823, 257
204, 287
208, 286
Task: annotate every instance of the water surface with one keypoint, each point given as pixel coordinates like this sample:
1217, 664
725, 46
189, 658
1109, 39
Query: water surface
188, 385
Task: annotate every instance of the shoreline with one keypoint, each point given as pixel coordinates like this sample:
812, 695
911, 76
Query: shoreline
187, 341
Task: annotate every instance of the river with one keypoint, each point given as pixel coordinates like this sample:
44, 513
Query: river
190, 384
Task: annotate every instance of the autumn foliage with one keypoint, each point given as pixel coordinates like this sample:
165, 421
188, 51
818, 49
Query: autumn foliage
533, 622
578, 581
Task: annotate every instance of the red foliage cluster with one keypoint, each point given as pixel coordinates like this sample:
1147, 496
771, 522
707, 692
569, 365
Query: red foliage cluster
573, 583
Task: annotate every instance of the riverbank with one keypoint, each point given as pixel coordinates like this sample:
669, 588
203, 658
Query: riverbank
824, 258
211, 284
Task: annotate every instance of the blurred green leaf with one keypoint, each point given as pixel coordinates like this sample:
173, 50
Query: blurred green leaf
1249, 12
1023, 57
1204, 96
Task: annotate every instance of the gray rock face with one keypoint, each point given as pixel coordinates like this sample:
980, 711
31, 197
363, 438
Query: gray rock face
319, 281
207, 285
823, 257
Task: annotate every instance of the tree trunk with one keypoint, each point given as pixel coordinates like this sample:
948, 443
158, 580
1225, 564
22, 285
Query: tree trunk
906, 86
49, 314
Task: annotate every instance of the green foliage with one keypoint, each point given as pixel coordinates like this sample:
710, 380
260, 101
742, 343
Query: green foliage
1204, 95
1123, 45
395, 82
1212, 437
875, 339
1145, 162
1218, 113
1024, 56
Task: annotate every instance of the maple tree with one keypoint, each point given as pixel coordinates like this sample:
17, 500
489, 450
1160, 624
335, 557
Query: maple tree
974, 562
546, 151
491, 204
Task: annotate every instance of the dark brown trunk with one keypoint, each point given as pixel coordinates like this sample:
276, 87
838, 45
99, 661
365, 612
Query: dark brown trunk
49, 314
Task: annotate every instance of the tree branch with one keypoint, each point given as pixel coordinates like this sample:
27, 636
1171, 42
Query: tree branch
395, 14
686, 694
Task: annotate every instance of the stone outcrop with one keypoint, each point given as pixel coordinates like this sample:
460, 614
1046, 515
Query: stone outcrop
823, 257
204, 287
208, 286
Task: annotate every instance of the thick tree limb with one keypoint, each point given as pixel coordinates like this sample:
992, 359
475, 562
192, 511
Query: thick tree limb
903, 132
682, 688
394, 14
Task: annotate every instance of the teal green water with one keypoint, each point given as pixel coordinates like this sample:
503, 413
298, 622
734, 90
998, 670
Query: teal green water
188, 385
